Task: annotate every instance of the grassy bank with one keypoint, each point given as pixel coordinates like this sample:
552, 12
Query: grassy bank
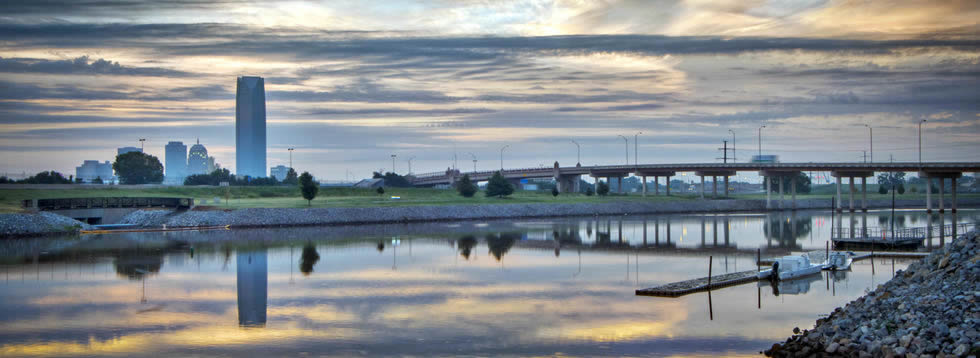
289, 197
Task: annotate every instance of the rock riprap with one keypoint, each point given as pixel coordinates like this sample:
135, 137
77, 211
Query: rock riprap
927, 310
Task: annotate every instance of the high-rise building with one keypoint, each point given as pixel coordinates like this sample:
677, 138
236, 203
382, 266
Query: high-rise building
176, 163
91, 169
197, 160
253, 287
250, 127
125, 150
212, 166
279, 172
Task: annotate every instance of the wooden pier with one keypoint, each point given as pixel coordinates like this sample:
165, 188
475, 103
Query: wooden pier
903, 237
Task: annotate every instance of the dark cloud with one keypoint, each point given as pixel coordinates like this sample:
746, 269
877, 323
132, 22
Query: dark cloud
82, 65
364, 91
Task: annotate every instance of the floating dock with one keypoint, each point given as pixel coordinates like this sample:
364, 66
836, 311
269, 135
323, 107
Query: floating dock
677, 289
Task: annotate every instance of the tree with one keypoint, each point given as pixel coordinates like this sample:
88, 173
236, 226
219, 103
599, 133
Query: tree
892, 181
308, 187
882, 189
498, 186
393, 180
380, 190
291, 178
554, 191
602, 188
97, 180
138, 168
802, 183
465, 187
589, 191
48, 177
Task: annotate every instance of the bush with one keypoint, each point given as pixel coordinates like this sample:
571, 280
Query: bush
602, 188
901, 189
380, 190
465, 187
554, 191
882, 189
589, 191
498, 186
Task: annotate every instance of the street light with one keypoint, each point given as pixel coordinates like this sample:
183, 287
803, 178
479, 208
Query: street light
920, 141
734, 158
502, 157
474, 161
141, 144
871, 142
627, 142
392, 163
760, 141
636, 149
291, 157
578, 157
410, 164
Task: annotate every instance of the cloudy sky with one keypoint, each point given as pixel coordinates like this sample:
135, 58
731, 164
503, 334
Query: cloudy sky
351, 82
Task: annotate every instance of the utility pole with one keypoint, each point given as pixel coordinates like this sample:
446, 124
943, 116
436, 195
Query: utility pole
871, 141
724, 149
920, 142
291, 157
760, 142
636, 149
410, 164
502, 157
474, 161
144, 140
392, 163
865, 155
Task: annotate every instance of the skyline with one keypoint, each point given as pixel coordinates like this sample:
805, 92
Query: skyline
349, 88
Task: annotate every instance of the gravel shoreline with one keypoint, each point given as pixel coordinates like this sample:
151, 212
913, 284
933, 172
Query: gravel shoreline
40, 224
928, 310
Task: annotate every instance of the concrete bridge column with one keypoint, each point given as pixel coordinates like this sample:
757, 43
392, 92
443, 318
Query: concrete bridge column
928, 194
942, 191
714, 186
864, 194
656, 185
782, 196
619, 184
702, 187
850, 195
792, 189
668, 185
726, 186
644, 187
953, 204
838, 195
768, 192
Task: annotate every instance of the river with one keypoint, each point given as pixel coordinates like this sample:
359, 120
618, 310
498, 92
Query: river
486, 288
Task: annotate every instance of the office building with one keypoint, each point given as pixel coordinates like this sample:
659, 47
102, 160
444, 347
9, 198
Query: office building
250, 127
175, 165
212, 166
279, 172
253, 287
197, 160
125, 150
91, 169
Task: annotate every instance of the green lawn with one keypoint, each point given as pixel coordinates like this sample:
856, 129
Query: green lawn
289, 197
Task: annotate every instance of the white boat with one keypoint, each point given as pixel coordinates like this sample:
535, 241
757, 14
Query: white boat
788, 267
838, 261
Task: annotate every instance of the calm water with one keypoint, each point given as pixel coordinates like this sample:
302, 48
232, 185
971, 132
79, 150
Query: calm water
526, 287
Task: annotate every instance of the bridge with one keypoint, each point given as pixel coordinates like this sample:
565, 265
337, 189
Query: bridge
104, 210
567, 178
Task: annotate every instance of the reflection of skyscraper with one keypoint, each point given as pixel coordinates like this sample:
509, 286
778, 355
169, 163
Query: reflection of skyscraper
253, 287
176, 162
197, 160
250, 127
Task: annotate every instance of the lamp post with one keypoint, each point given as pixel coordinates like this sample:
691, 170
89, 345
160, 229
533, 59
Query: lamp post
474, 161
410, 164
502, 157
393, 163
144, 140
578, 157
626, 141
920, 141
734, 158
871, 143
760, 141
291, 157
636, 149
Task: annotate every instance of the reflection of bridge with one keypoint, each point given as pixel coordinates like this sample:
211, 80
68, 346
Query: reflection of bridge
568, 177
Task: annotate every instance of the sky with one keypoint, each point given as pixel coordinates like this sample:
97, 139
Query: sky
350, 83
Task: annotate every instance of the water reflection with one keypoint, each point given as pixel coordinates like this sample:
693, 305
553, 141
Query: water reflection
75, 297
253, 286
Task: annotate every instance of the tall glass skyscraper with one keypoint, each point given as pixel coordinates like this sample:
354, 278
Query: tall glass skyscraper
250, 127
176, 162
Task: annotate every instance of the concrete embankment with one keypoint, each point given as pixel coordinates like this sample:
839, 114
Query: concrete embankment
13, 224
929, 310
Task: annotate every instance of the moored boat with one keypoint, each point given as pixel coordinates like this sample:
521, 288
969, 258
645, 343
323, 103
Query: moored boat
788, 267
838, 261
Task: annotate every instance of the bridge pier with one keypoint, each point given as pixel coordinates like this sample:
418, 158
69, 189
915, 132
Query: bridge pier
850, 194
644, 178
656, 185
714, 186
714, 174
792, 186
864, 194
726, 186
851, 174
768, 193
953, 181
779, 175
656, 174
942, 193
838, 206
619, 184
702, 187
942, 176
782, 197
